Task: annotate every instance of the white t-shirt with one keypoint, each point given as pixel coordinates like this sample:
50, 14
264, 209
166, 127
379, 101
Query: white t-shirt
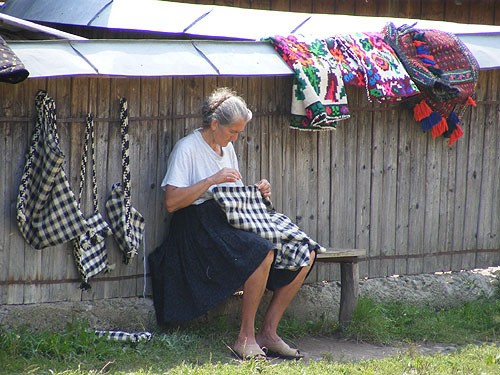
193, 160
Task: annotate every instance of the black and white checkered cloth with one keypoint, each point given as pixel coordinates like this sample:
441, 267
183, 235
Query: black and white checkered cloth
124, 336
246, 209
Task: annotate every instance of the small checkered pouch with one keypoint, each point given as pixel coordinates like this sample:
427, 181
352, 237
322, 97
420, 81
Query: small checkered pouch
47, 209
126, 222
89, 249
124, 336
246, 209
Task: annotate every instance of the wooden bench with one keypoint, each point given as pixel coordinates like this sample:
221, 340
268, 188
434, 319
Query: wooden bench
349, 278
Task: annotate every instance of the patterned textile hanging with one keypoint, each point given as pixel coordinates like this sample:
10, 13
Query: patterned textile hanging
366, 60
444, 70
319, 99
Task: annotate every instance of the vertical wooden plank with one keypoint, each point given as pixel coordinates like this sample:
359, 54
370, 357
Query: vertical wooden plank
345, 7
462, 145
433, 10
15, 103
403, 192
193, 101
474, 173
481, 12
325, 7
431, 208
253, 157
108, 170
304, 6
165, 145
280, 5
377, 193
276, 125
366, 8
418, 147
364, 118
241, 145
324, 193
457, 11
337, 195
148, 134
389, 189
266, 106
446, 206
409, 9
4, 199
487, 237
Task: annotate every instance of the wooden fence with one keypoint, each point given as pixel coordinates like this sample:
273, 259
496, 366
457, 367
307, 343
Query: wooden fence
377, 182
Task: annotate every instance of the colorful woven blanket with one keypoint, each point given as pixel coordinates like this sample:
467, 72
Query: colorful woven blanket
319, 99
366, 60
444, 70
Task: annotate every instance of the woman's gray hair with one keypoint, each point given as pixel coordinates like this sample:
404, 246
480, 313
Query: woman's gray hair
225, 106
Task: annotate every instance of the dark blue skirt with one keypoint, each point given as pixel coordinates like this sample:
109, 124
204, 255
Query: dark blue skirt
203, 261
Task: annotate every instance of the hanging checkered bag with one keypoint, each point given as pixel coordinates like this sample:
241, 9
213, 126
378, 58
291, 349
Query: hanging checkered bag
126, 222
47, 210
89, 249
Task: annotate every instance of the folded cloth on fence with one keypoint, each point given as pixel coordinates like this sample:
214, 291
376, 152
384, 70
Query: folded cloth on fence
12, 70
444, 70
246, 209
367, 60
319, 99
124, 336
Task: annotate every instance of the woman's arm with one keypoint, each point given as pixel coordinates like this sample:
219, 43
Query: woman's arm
180, 197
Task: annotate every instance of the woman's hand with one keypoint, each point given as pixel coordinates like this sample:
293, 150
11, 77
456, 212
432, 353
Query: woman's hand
225, 175
264, 188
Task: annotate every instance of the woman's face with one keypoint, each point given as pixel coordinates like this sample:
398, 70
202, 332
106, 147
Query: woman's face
229, 133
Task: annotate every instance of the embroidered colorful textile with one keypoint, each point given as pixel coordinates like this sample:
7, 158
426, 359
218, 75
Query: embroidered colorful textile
366, 60
319, 99
445, 71
246, 209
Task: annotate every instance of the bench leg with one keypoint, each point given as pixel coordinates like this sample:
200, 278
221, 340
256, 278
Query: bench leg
349, 281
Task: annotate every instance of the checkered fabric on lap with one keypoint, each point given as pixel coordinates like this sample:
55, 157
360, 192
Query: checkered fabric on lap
89, 249
319, 98
367, 60
246, 209
124, 336
47, 209
126, 222
444, 70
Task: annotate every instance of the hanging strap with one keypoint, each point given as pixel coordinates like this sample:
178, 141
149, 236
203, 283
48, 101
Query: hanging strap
89, 138
124, 124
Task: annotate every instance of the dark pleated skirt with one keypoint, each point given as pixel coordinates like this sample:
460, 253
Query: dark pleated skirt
203, 261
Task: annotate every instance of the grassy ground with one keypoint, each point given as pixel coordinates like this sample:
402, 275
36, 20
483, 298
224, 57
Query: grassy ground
202, 349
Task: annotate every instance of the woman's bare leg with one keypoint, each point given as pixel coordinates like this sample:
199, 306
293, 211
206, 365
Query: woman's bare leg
253, 289
281, 299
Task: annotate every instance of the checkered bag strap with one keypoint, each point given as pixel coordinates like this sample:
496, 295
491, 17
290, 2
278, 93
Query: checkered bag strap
124, 125
89, 138
124, 336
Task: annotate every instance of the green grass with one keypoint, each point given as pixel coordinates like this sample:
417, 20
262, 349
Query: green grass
202, 349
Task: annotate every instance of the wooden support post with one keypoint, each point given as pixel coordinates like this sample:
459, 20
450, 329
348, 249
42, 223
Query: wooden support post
349, 279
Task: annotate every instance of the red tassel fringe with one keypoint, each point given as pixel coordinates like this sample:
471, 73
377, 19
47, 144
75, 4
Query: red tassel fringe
456, 134
439, 128
471, 101
421, 111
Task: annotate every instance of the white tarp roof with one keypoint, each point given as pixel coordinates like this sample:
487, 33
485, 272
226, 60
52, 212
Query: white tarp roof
247, 25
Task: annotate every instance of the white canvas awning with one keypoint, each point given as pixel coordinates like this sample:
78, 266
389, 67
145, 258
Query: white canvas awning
148, 58
243, 55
